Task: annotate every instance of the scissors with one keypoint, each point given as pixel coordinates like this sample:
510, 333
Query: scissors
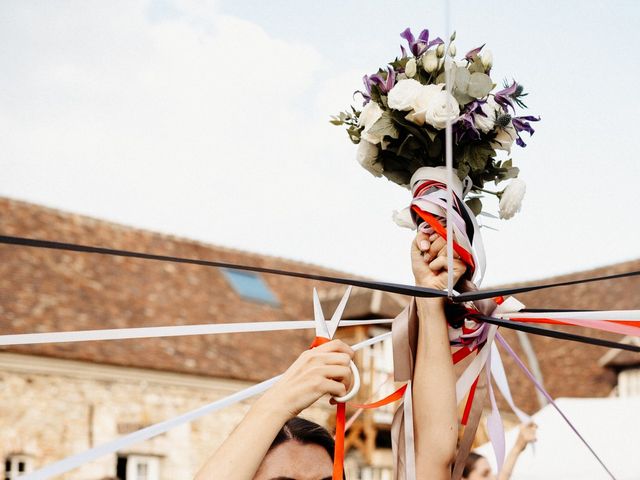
327, 330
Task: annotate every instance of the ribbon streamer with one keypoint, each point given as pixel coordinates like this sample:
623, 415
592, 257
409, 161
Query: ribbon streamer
385, 287
171, 331
382, 286
546, 332
542, 390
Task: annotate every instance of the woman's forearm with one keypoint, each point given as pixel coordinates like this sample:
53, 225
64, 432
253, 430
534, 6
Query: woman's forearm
241, 454
435, 413
510, 461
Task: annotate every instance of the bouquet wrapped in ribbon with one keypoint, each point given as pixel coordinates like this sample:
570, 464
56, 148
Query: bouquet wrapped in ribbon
401, 125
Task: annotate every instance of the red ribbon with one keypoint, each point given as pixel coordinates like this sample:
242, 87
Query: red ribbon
440, 230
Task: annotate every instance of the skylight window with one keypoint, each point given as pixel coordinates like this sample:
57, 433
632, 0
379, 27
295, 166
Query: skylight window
250, 285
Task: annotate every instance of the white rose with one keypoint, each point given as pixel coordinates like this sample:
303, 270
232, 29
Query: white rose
505, 138
452, 49
370, 114
367, 156
421, 102
486, 124
410, 68
511, 200
402, 96
442, 107
430, 61
487, 59
403, 218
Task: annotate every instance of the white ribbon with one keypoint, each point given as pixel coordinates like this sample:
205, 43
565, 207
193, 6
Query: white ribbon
500, 378
172, 331
463, 385
409, 443
75, 461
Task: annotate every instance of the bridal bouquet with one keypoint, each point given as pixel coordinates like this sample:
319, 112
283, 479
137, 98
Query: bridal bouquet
401, 126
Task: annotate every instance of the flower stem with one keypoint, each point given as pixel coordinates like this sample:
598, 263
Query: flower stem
497, 194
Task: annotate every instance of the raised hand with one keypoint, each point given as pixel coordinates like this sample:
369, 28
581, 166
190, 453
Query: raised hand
429, 262
317, 372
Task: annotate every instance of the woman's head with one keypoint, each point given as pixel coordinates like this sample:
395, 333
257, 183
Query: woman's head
477, 468
302, 450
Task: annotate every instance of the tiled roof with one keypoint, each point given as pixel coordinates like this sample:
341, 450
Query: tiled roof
47, 290
571, 369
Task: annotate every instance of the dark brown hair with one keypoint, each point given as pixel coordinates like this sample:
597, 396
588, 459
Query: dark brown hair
470, 464
306, 432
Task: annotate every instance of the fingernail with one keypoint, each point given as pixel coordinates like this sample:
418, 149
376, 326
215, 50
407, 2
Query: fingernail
424, 245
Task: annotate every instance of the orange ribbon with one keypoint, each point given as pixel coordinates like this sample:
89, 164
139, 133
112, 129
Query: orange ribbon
338, 450
341, 420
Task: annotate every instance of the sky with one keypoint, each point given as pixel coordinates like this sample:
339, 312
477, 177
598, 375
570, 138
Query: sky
209, 120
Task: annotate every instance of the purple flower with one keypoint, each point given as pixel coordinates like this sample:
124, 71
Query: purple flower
505, 97
521, 124
421, 45
472, 53
366, 95
465, 127
385, 83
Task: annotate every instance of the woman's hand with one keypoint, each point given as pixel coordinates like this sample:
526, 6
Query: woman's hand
429, 262
317, 372
526, 435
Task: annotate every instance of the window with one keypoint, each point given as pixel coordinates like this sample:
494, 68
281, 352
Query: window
137, 467
15, 465
250, 285
376, 473
377, 361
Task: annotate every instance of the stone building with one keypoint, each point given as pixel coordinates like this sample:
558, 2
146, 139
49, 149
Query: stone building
61, 399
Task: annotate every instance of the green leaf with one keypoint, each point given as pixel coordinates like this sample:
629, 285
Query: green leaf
384, 127
475, 204
431, 133
409, 147
463, 170
476, 65
479, 85
411, 127
435, 149
354, 133
461, 77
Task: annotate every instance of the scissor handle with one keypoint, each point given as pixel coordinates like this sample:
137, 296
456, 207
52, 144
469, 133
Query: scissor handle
354, 388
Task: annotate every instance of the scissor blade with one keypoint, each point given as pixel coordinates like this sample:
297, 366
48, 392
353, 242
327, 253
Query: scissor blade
321, 324
337, 315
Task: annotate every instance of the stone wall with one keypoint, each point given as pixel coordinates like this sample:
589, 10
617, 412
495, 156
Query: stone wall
51, 408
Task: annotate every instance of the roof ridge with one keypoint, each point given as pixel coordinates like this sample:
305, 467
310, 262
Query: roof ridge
91, 220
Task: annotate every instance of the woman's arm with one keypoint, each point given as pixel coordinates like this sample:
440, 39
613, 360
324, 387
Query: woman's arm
323, 370
434, 394
526, 435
